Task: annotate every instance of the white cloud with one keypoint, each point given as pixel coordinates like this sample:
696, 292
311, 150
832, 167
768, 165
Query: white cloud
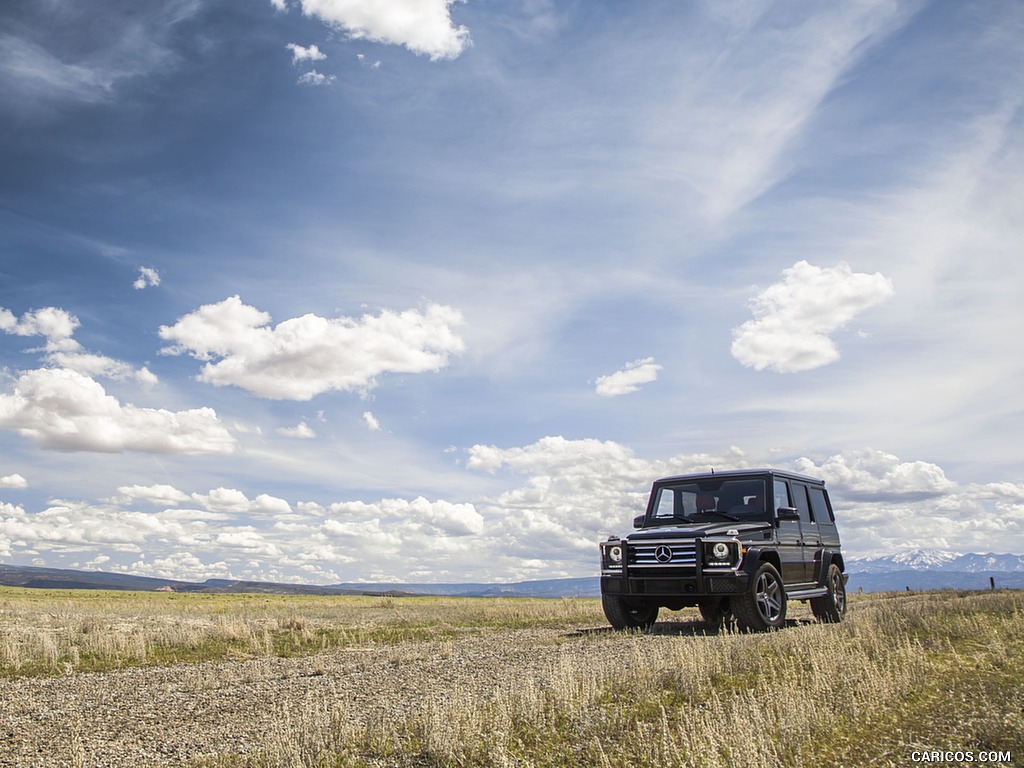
792, 318
299, 53
223, 500
309, 355
148, 277
315, 78
441, 515
14, 481
65, 410
301, 431
371, 421
628, 379
869, 472
422, 26
575, 492
563, 497
264, 504
58, 326
158, 495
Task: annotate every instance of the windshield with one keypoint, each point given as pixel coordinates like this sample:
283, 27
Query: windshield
707, 500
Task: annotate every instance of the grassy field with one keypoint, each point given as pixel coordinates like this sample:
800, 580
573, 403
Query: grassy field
55, 632
928, 672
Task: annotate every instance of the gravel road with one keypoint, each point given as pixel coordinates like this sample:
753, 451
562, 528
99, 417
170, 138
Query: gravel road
169, 715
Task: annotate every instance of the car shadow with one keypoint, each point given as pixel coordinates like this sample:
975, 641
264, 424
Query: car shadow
673, 629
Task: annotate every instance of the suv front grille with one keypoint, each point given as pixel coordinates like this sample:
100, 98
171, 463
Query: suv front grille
663, 554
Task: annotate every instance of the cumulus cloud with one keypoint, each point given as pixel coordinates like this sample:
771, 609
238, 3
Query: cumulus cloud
575, 492
148, 278
423, 26
299, 53
14, 481
562, 497
371, 421
444, 516
157, 495
628, 379
58, 326
792, 318
872, 473
309, 355
315, 78
65, 410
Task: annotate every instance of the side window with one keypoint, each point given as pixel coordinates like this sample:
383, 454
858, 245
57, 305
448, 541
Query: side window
820, 505
803, 506
781, 494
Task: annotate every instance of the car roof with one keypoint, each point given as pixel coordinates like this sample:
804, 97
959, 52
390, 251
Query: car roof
741, 473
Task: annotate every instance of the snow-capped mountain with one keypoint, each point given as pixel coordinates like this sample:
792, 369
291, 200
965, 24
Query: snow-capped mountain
938, 560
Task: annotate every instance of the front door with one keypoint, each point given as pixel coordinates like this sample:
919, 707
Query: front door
791, 550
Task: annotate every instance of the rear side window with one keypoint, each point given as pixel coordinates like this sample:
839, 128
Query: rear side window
820, 505
801, 504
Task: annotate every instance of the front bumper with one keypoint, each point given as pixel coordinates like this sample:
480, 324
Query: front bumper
706, 584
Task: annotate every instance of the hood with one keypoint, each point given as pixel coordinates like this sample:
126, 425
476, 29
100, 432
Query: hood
693, 530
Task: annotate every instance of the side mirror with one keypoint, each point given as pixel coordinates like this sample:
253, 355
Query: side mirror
787, 513
638, 521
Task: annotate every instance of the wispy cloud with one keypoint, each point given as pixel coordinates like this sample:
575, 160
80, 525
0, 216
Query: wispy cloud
45, 70
749, 89
628, 379
301, 431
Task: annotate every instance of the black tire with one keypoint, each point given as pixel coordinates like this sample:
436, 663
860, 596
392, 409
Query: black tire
717, 614
623, 616
763, 608
831, 607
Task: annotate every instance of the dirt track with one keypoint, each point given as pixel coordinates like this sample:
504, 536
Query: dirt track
168, 715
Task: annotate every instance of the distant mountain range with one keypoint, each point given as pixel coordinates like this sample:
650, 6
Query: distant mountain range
939, 560
935, 569
917, 570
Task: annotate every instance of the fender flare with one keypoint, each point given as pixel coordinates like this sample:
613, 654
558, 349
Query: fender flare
829, 556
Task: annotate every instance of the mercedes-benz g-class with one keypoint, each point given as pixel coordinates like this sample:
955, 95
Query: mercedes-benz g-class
737, 544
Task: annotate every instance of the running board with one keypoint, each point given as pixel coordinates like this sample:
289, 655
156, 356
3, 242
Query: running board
806, 594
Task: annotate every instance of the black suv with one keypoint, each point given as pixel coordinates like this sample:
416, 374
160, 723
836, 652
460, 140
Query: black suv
735, 544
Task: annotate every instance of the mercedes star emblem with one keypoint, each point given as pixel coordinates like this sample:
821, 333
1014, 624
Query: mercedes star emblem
663, 554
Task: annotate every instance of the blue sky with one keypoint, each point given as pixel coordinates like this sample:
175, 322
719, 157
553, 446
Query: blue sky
324, 290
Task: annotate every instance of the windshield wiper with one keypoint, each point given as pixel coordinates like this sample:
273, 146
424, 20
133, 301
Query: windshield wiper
726, 515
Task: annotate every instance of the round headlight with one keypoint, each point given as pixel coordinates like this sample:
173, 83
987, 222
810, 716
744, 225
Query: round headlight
615, 554
720, 551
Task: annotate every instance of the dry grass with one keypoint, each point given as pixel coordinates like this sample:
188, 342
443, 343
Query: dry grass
936, 671
55, 632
